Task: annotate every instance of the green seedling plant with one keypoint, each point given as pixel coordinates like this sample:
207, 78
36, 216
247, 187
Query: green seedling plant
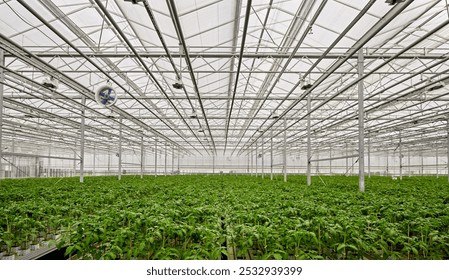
242, 217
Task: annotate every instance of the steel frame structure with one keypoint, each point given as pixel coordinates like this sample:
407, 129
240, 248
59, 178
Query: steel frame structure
291, 77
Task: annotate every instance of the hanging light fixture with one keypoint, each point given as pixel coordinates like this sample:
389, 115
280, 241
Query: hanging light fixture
393, 2
304, 85
134, 1
179, 84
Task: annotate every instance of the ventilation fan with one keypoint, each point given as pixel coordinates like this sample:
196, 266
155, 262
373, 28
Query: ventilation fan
106, 96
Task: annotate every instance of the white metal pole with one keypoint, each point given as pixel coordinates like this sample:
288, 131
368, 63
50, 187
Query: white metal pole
142, 157
309, 146
94, 162
179, 157
109, 162
330, 159
252, 159
263, 153
369, 157
257, 160
120, 150
155, 157
285, 150
83, 120
173, 159
247, 168
409, 167
74, 162
13, 166
400, 156
436, 161
361, 125
49, 159
2, 80
447, 150
422, 162
347, 159
165, 160
36, 168
388, 163
271, 155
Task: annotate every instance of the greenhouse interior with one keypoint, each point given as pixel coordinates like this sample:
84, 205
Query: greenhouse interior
224, 129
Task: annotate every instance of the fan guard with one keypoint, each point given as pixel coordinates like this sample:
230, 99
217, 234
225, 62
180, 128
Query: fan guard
106, 96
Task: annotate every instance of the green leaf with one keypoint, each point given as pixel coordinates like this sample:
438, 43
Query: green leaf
340, 247
353, 247
69, 250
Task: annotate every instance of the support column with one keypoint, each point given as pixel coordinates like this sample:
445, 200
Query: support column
257, 160
179, 158
361, 125
330, 159
447, 150
173, 159
285, 150
252, 159
94, 162
49, 159
83, 120
369, 157
347, 160
400, 156
263, 153
155, 157
388, 163
142, 157
247, 167
271, 154
213, 163
2, 80
109, 161
13, 166
436, 160
409, 167
120, 150
309, 146
165, 160
36, 168
74, 162
422, 162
